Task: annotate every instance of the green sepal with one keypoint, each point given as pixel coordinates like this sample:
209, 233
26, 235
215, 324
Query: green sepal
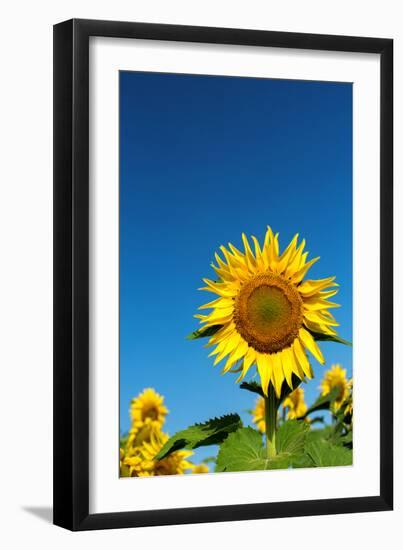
203, 332
321, 337
254, 387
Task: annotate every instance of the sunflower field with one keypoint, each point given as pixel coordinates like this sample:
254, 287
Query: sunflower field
264, 325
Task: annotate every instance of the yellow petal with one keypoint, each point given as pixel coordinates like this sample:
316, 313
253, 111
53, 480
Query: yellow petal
311, 345
287, 359
220, 347
230, 345
235, 355
222, 333
248, 361
271, 248
215, 318
318, 317
218, 303
278, 373
235, 251
276, 245
260, 261
223, 289
248, 252
217, 313
267, 237
317, 304
297, 277
233, 261
328, 294
224, 274
310, 287
302, 360
287, 254
264, 367
295, 262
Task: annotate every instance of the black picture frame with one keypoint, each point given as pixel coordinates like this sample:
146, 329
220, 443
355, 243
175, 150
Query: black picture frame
71, 274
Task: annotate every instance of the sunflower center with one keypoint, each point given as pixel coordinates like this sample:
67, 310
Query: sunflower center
151, 412
268, 313
268, 306
340, 388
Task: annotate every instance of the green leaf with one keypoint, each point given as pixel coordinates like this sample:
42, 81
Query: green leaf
212, 432
325, 434
348, 438
204, 332
323, 402
302, 461
335, 434
243, 451
324, 453
329, 337
290, 437
315, 435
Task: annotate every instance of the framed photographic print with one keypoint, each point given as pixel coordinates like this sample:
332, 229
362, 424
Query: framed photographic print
222, 274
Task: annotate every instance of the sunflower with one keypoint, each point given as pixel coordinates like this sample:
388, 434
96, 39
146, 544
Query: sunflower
136, 466
147, 410
141, 460
200, 469
175, 463
137, 436
349, 402
258, 415
266, 314
295, 403
349, 409
128, 465
336, 377
124, 472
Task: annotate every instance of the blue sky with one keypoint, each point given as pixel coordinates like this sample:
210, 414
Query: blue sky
202, 159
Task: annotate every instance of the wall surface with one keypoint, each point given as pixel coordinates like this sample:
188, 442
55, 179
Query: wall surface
26, 274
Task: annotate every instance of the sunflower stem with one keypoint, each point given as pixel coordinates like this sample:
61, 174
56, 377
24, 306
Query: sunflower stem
271, 404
